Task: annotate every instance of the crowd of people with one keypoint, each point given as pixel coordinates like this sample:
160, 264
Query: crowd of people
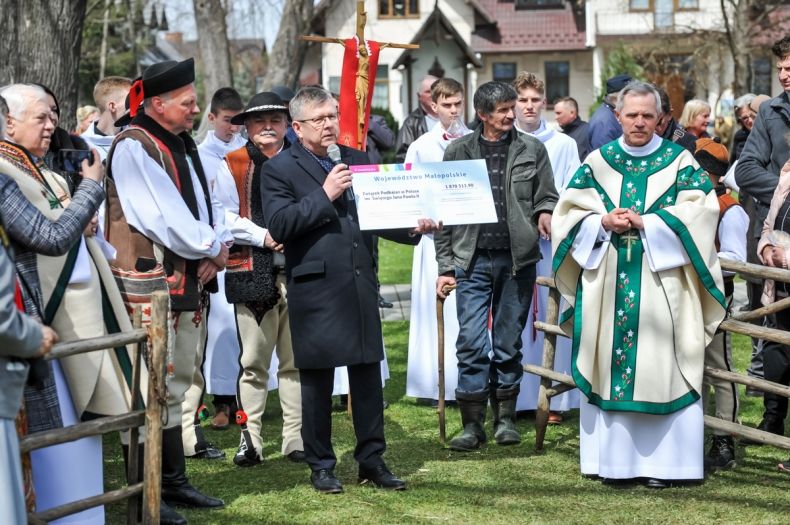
254, 233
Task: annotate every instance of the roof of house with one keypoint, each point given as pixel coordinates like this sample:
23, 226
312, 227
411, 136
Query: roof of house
437, 17
530, 29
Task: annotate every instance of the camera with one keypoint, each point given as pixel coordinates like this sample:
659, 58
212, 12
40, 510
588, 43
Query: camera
69, 160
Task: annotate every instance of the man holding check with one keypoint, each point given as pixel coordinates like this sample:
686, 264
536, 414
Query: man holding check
494, 265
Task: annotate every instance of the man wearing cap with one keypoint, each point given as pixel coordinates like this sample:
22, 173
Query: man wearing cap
733, 226
332, 296
255, 284
160, 217
604, 126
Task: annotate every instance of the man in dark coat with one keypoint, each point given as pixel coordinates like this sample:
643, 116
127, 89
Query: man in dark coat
419, 121
566, 111
331, 288
604, 126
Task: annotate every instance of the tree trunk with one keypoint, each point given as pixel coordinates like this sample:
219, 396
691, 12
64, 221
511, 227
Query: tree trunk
742, 45
41, 43
286, 57
213, 44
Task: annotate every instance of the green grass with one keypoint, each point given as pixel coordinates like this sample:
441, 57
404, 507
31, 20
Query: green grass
394, 262
507, 485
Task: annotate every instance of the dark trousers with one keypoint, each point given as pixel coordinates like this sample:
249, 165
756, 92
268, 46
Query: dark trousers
489, 285
367, 408
776, 367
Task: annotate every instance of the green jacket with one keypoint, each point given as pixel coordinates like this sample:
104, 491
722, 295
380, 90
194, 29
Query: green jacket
530, 192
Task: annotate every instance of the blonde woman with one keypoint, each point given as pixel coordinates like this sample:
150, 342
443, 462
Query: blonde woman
696, 117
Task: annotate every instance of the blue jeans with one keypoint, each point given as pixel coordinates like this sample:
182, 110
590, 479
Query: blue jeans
489, 283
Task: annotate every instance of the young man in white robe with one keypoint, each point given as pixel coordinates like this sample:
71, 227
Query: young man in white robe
108, 94
447, 97
221, 364
564, 158
639, 220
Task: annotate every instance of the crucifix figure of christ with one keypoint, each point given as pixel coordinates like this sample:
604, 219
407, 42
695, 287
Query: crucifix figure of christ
364, 78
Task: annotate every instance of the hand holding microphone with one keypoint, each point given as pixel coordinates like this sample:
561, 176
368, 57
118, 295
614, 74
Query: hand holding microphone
338, 181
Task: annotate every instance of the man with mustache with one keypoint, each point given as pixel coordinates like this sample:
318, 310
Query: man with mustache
494, 265
255, 283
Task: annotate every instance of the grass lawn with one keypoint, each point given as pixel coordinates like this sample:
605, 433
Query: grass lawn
394, 262
508, 485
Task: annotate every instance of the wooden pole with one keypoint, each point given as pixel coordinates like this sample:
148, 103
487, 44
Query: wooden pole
96, 343
132, 475
157, 398
440, 368
94, 427
87, 503
549, 347
772, 308
326, 40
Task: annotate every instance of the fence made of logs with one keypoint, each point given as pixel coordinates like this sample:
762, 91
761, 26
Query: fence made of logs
555, 383
151, 341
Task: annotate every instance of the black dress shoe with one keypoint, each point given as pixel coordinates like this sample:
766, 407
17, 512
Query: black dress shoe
381, 477
383, 303
655, 483
188, 496
246, 457
324, 481
207, 451
168, 515
618, 483
297, 456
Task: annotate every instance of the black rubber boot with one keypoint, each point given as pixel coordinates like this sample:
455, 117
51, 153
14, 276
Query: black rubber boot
473, 416
721, 454
505, 432
167, 515
176, 489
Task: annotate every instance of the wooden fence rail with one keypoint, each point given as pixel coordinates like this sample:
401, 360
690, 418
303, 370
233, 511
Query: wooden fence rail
735, 324
150, 486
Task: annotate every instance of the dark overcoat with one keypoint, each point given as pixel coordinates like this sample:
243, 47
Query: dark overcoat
331, 281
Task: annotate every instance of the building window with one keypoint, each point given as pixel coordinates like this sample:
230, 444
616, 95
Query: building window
399, 8
558, 76
381, 91
660, 6
504, 71
539, 4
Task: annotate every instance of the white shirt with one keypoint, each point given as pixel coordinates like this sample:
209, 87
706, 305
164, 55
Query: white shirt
152, 204
430, 146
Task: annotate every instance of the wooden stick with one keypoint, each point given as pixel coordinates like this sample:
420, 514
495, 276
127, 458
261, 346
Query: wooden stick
132, 475
549, 347
754, 382
93, 427
559, 377
763, 311
152, 473
440, 354
759, 332
756, 270
96, 343
557, 390
552, 329
87, 503
328, 40
753, 434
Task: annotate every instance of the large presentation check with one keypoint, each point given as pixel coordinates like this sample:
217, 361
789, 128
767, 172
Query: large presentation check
396, 195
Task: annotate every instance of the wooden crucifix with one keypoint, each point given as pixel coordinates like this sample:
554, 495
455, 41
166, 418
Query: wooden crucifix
364, 77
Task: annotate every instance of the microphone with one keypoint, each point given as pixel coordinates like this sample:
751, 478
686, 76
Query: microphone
333, 151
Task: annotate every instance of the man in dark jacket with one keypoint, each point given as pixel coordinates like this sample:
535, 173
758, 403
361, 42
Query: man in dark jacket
604, 126
757, 174
494, 265
331, 288
669, 128
419, 121
566, 111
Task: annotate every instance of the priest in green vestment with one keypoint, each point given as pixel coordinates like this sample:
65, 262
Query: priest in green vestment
634, 257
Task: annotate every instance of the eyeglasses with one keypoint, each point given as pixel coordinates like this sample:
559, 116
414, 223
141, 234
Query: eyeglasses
320, 121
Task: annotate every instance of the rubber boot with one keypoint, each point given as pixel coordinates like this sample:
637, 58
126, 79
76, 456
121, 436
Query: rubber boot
505, 432
167, 515
473, 416
176, 489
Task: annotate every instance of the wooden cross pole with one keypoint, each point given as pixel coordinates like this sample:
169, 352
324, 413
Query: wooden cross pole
361, 83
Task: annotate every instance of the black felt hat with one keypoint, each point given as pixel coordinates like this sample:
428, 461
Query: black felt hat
126, 118
284, 92
261, 103
617, 83
160, 78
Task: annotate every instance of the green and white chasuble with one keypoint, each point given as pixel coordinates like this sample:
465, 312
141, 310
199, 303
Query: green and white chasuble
643, 305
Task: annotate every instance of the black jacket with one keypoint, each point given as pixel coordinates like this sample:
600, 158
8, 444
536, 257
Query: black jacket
579, 131
332, 295
413, 126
